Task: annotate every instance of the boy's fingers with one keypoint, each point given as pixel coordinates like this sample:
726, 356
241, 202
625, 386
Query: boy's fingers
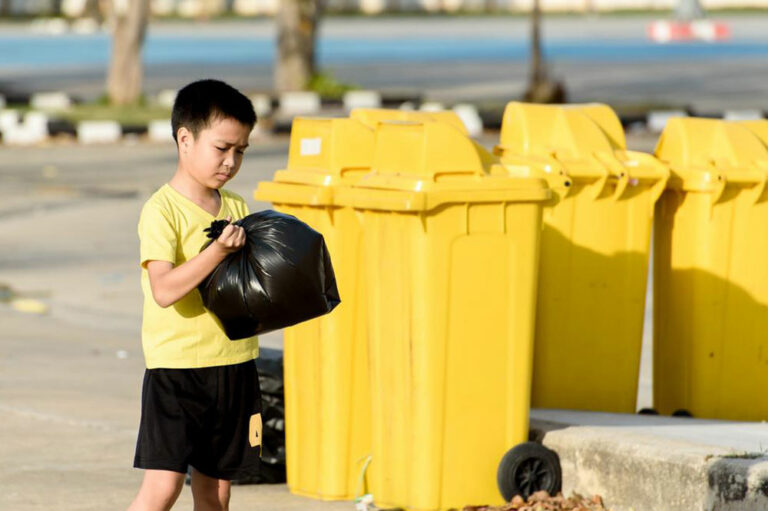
227, 232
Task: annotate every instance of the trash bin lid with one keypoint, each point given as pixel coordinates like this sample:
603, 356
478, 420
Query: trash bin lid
708, 154
574, 142
418, 166
323, 154
570, 130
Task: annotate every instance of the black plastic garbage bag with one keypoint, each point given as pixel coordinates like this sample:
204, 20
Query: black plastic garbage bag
282, 276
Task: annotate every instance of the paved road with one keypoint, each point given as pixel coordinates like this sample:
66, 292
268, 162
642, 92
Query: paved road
479, 59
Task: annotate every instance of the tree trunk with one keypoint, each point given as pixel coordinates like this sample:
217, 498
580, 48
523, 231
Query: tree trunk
297, 22
540, 88
129, 26
538, 72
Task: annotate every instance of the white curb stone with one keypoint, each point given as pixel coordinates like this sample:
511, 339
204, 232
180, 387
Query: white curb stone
362, 99
657, 119
470, 117
743, 115
262, 105
160, 131
98, 132
8, 119
51, 101
432, 106
299, 103
37, 120
33, 130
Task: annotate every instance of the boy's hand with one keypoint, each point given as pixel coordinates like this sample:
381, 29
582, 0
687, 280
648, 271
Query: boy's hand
232, 238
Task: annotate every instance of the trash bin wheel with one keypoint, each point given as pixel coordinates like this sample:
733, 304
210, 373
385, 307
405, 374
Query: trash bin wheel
682, 413
647, 411
527, 468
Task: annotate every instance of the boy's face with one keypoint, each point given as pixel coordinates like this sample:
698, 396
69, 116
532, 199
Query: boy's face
214, 156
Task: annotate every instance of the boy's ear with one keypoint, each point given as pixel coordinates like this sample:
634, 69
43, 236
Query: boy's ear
185, 138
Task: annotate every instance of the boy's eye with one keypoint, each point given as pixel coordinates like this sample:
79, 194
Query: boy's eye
221, 148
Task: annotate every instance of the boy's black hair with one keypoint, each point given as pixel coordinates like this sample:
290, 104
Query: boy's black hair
199, 103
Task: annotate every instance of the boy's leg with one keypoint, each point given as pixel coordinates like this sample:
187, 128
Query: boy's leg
210, 494
158, 491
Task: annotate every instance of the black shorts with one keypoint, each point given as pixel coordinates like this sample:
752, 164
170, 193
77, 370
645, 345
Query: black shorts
209, 418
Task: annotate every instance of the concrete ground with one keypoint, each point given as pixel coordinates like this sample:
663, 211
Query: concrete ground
70, 378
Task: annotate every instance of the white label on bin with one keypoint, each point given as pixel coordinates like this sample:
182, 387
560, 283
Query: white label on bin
311, 146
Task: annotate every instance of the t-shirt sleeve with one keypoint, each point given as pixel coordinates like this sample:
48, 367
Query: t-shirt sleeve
157, 237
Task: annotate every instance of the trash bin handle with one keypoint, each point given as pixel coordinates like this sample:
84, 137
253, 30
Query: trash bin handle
639, 167
606, 170
649, 168
760, 188
546, 166
749, 178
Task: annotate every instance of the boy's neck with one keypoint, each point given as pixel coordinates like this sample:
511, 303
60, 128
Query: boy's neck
191, 189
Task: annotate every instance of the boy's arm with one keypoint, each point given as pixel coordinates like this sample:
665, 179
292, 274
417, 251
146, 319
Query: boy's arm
171, 283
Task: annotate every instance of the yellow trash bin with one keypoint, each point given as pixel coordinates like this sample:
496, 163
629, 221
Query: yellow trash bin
594, 252
327, 401
451, 251
711, 271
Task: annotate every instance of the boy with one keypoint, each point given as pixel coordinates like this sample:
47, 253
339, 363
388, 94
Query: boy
200, 403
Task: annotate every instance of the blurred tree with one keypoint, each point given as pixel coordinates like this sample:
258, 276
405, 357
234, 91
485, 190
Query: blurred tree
541, 89
56, 7
5, 8
297, 22
129, 20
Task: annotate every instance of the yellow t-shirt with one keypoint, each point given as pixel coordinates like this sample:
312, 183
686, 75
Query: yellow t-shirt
186, 334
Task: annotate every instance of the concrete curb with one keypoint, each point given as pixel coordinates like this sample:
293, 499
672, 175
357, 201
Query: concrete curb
276, 114
645, 463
